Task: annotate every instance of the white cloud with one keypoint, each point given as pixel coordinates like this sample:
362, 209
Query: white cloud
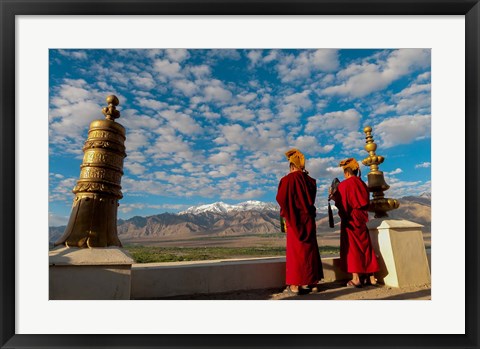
271, 56
292, 105
75, 82
187, 87
177, 55
403, 130
151, 103
169, 184
223, 170
81, 55
340, 120
171, 149
239, 112
246, 175
72, 110
136, 140
233, 134
166, 68
352, 142
359, 80
268, 163
135, 156
73, 94
413, 99
310, 145
423, 165
135, 168
234, 130
265, 114
220, 158
383, 108
205, 111
200, 71
133, 122
334, 172
192, 168
394, 172
292, 68
229, 148
142, 93
62, 190
417, 103
259, 138
247, 195
320, 167
399, 189
254, 56
181, 122
414, 89
217, 93
300, 99
55, 220
143, 80
137, 186
247, 97
424, 76
177, 179
224, 54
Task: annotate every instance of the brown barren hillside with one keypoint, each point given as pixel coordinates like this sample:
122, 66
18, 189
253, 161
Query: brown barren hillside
249, 223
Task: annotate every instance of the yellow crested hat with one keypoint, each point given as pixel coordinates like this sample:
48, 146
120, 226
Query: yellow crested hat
350, 162
296, 157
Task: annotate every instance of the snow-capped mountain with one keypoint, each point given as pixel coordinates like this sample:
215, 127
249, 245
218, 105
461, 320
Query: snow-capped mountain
221, 207
216, 207
250, 217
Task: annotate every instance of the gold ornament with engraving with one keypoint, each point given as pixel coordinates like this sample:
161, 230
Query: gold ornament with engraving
93, 220
376, 182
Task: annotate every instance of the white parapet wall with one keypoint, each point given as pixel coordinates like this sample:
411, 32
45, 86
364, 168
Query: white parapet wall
159, 280
72, 277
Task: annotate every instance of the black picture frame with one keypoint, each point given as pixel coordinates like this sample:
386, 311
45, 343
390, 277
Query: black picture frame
9, 9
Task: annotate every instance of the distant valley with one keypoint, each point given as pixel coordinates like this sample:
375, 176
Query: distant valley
247, 219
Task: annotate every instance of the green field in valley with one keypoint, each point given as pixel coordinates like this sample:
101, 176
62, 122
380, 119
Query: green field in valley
154, 254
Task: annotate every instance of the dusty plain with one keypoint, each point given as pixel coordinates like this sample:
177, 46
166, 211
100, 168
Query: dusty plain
276, 240
327, 291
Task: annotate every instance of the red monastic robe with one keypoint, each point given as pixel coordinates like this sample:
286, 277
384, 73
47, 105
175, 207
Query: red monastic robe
356, 251
296, 197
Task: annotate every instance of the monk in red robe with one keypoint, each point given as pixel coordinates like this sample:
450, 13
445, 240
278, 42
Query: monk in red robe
352, 199
296, 197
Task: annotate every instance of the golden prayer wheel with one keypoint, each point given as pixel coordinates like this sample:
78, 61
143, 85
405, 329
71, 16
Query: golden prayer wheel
376, 182
93, 220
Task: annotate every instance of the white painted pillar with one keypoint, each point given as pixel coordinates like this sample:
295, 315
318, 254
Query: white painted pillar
401, 252
89, 273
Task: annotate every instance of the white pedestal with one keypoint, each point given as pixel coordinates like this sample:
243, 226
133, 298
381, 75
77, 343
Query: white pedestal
401, 251
89, 273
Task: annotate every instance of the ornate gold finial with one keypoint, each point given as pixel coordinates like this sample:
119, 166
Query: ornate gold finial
376, 182
93, 220
110, 112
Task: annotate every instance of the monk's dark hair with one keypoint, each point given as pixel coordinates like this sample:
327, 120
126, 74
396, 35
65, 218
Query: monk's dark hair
293, 165
355, 173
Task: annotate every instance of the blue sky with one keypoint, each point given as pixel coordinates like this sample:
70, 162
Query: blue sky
213, 125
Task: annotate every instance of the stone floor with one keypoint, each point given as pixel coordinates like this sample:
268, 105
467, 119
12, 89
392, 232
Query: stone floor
327, 291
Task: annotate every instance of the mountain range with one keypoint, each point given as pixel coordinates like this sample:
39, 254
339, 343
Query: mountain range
221, 207
250, 217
